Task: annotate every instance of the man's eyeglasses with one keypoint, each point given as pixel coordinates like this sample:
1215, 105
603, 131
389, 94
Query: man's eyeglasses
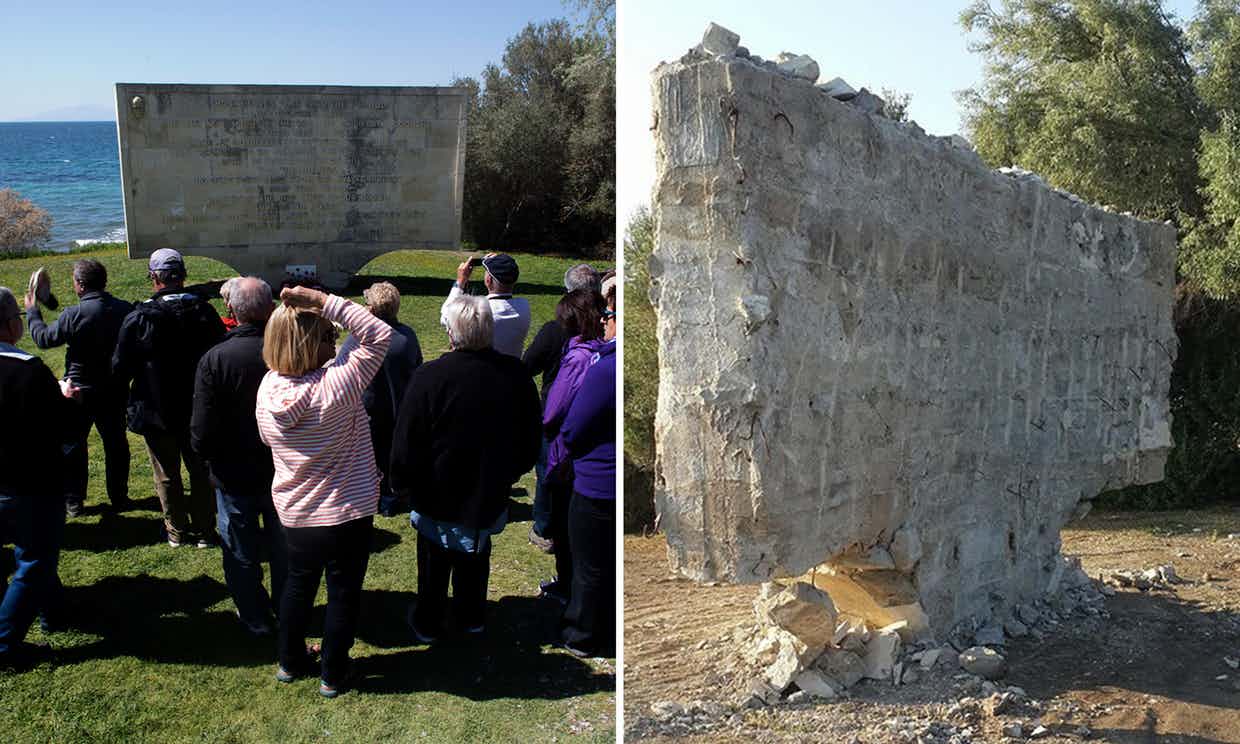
608, 315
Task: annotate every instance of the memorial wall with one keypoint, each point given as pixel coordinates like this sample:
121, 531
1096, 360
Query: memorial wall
282, 181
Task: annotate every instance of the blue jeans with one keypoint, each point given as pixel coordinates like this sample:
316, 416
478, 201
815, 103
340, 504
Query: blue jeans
237, 516
34, 524
542, 497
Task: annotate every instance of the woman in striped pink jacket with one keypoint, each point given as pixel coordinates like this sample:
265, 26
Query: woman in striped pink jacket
326, 485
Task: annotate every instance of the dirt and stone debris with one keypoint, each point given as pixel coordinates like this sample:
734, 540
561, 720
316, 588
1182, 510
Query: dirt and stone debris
1133, 667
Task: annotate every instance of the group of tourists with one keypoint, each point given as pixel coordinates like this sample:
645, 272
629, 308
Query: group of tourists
294, 442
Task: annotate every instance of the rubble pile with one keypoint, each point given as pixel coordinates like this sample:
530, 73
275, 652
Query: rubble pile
718, 41
807, 646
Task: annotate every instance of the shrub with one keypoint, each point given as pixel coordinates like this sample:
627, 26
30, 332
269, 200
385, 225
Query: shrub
24, 227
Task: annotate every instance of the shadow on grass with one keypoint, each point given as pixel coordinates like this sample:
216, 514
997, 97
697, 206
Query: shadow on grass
507, 661
518, 512
111, 532
437, 287
160, 620
381, 539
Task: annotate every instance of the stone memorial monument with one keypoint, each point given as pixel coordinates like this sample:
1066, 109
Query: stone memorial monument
883, 364
290, 181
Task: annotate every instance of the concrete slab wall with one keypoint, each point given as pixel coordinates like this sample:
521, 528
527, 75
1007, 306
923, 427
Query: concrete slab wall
869, 339
291, 179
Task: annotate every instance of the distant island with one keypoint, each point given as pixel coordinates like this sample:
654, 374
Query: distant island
80, 112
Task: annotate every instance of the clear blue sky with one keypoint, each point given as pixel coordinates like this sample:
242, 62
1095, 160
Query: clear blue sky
913, 47
66, 53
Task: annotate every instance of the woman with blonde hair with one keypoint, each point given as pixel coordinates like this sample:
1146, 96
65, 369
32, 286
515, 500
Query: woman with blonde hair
326, 485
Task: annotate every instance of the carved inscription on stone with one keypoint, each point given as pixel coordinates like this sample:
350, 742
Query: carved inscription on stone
264, 176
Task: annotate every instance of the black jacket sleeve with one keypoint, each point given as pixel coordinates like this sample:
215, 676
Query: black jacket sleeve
528, 427
47, 337
125, 358
201, 422
411, 439
542, 353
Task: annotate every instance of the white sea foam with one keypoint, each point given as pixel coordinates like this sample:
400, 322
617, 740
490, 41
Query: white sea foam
112, 236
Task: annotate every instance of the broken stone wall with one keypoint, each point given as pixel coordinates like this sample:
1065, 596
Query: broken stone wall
877, 353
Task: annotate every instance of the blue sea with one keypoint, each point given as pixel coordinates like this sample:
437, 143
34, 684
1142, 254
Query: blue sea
71, 169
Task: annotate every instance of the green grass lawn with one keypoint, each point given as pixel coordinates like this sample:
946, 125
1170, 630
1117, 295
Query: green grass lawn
154, 652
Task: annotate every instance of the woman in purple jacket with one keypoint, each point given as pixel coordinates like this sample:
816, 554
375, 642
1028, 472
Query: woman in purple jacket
580, 313
589, 431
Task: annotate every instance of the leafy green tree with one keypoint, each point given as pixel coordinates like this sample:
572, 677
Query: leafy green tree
1097, 96
540, 156
641, 373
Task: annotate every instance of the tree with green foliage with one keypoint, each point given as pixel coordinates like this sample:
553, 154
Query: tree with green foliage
1096, 96
641, 372
540, 155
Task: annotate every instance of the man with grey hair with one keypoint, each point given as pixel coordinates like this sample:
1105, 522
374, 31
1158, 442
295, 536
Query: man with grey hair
224, 434
32, 511
469, 427
90, 328
543, 356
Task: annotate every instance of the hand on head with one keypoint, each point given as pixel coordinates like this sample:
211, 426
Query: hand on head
303, 297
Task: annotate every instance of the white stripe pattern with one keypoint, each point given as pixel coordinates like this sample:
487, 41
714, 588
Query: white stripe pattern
318, 431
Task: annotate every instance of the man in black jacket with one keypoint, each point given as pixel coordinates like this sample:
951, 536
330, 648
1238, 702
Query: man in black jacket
90, 329
543, 355
32, 514
469, 427
159, 346
224, 433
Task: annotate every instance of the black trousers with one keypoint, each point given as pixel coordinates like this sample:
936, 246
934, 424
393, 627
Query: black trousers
589, 620
561, 499
106, 412
469, 574
342, 551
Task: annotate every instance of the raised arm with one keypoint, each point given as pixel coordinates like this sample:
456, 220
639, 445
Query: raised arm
45, 336
360, 357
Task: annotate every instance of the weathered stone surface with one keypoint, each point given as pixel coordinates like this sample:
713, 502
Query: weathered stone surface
845, 667
880, 597
719, 40
983, 662
814, 683
867, 101
939, 346
798, 66
881, 653
836, 87
804, 611
284, 180
906, 549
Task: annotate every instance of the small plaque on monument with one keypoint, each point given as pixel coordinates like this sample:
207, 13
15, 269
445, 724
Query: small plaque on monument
267, 177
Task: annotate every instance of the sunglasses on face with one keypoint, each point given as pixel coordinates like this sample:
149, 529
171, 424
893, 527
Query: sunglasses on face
608, 315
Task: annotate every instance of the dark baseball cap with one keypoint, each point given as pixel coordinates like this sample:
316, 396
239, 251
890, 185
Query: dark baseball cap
166, 259
503, 267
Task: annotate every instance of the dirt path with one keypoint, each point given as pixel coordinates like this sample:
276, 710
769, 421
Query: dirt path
1153, 672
